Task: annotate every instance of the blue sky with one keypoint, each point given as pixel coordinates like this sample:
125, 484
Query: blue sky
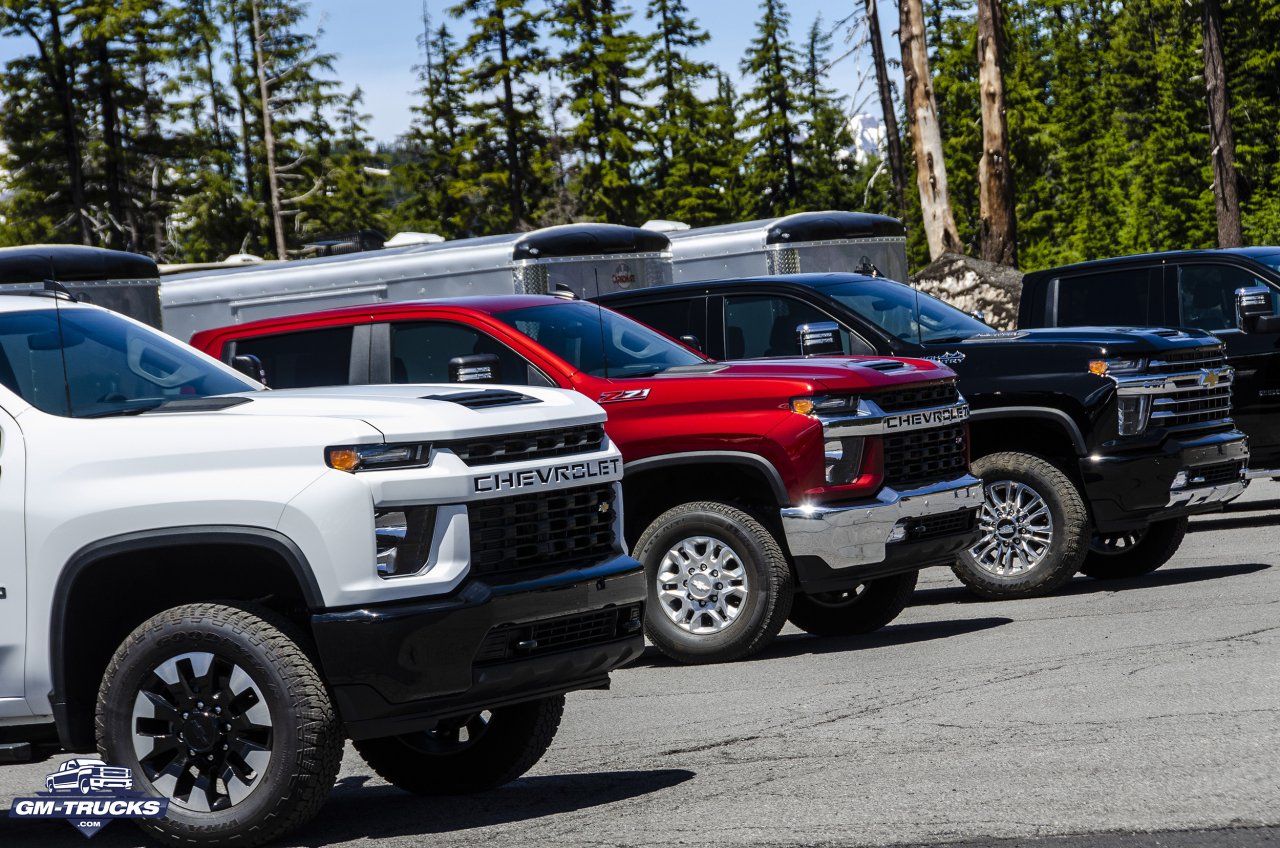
376, 43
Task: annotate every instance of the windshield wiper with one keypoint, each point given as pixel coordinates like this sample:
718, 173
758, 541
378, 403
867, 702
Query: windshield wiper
124, 410
948, 339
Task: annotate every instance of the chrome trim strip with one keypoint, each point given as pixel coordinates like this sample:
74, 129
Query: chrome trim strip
1186, 381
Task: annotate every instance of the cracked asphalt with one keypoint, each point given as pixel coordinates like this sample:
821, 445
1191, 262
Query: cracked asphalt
1134, 714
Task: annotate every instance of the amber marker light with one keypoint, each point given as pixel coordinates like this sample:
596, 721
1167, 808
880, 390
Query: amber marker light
1098, 367
804, 406
343, 459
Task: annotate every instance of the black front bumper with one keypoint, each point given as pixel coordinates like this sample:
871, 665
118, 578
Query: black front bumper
400, 667
1128, 491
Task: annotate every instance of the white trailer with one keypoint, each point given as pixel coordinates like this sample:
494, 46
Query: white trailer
587, 259
806, 242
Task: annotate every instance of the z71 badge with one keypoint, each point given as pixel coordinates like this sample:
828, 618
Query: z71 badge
627, 394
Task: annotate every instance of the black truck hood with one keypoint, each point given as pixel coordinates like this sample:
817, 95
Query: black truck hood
1100, 341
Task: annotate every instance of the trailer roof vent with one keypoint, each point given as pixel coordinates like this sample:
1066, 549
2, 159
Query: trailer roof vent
406, 239
485, 398
661, 225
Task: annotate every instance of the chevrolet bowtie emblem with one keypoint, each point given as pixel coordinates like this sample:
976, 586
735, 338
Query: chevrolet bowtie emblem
1210, 378
604, 507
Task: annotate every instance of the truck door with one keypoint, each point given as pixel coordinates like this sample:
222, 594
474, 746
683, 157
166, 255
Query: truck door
13, 566
1205, 295
764, 325
420, 351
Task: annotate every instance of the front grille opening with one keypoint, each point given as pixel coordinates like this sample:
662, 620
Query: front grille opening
565, 528
541, 444
1219, 474
552, 635
920, 457
917, 397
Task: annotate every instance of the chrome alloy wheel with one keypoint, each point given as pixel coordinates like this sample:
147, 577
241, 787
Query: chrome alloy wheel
702, 585
1017, 529
202, 732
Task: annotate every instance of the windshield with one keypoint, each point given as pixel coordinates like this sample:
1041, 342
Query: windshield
112, 366
1271, 260
599, 342
893, 308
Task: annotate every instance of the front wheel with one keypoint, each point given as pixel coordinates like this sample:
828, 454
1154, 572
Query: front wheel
719, 585
221, 711
1136, 552
1034, 529
469, 753
863, 609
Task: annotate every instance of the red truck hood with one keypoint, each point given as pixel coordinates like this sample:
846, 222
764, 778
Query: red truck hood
832, 373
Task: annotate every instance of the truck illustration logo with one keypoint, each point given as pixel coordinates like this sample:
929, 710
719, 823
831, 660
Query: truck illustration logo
951, 357
88, 794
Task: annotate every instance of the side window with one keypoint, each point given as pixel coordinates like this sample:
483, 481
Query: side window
765, 325
1115, 298
420, 353
676, 318
300, 360
1207, 295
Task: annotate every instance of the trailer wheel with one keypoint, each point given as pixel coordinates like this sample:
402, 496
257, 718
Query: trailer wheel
863, 609
220, 711
469, 753
719, 585
1034, 524
1133, 554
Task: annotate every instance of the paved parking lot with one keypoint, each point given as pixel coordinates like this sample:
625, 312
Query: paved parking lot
1140, 713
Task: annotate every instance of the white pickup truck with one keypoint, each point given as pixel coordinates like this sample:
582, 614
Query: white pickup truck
214, 585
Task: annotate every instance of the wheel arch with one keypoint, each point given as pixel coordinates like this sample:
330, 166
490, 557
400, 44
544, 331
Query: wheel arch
1029, 429
136, 573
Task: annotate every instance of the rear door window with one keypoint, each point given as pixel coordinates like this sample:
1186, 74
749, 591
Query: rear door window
760, 325
1122, 298
304, 359
675, 318
421, 350
1207, 295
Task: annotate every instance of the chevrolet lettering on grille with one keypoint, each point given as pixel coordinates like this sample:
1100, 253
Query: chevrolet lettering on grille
533, 478
927, 418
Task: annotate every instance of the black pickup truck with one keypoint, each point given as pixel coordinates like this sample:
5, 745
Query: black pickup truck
1094, 445
1232, 293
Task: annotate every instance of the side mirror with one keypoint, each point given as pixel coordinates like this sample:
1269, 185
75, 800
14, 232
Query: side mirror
818, 338
250, 366
1254, 313
476, 368
692, 341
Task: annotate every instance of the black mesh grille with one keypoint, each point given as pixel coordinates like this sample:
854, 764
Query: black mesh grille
550, 635
1181, 361
563, 528
511, 447
1221, 474
1192, 406
923, 397
921, 457
939, 526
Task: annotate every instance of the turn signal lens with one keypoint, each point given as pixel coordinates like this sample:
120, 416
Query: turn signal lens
354, 458
804, 406
1098, 367
343, 459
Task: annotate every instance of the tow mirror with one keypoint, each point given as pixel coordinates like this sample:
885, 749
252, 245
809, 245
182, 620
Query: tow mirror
1254, 313
476, 368
818, 338
250, 366
692, 341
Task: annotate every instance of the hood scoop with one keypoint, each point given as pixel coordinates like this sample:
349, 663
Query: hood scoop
485, 398
884, 366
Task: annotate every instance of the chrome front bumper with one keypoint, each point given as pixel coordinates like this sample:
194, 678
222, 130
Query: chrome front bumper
847, 536
1207, 494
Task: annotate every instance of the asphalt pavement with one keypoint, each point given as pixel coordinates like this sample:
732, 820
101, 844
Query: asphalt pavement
1126, 714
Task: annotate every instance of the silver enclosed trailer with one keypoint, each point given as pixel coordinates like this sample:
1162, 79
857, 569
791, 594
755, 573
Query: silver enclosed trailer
806, 242
123, 282
587, 259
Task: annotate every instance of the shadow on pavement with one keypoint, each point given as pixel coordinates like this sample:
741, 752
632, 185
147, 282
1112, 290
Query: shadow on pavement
358, 812
802, 644
1081, 585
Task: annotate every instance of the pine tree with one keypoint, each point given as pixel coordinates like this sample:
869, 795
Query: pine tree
826, 161
599, 67
772, 116
355, 190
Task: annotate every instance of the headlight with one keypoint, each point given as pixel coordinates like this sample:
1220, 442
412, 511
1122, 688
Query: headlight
1118, 366
403, 539
1135, 410
821, 404
376, 457
844, 460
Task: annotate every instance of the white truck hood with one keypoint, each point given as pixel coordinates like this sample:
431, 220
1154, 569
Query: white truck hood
430, 411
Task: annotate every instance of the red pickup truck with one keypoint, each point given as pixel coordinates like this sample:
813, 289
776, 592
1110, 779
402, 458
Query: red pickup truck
756, 491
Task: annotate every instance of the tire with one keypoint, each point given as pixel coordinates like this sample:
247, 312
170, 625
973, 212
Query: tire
1120, 555
469, 754
85, 788
863, 609
684, 545
250, 673
1055, 530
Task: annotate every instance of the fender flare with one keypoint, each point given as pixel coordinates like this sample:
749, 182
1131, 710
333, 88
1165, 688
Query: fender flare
755, 461
1044, 412
255, 537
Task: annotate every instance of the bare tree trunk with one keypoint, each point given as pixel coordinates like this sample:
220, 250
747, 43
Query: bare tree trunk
268, 136
515, 167
114, 154
926, 134
61, 79
893, 140
998, 238
1226, 186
